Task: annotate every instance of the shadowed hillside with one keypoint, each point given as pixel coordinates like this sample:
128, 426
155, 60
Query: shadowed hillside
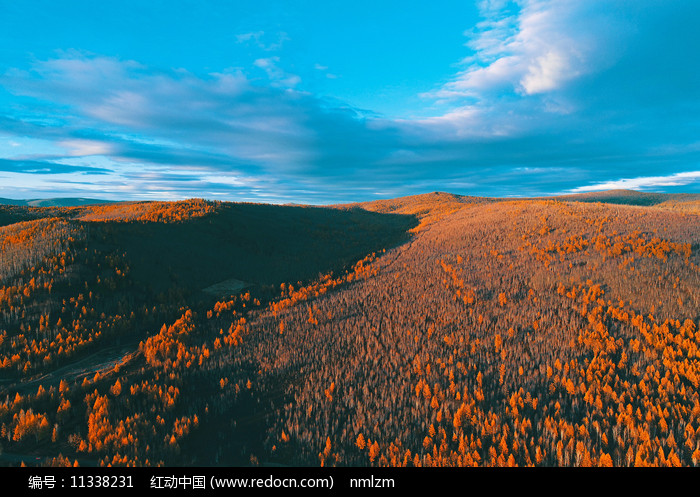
259, 244
76, 279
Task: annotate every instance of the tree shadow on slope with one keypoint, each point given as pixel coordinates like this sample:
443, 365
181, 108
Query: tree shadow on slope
256, 243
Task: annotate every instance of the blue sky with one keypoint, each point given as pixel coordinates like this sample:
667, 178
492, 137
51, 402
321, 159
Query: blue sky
323, 102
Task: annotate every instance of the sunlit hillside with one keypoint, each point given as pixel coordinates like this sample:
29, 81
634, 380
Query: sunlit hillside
434, 330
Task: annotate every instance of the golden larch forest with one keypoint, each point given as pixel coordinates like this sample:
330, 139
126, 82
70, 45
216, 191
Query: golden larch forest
433, 330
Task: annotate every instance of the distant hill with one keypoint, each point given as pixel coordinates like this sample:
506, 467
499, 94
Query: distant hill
432, 204
54, 202
413, 203
631, 197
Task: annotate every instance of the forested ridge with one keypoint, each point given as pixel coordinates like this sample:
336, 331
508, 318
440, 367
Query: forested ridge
435, 330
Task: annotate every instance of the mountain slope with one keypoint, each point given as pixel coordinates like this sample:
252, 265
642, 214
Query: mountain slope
474, 332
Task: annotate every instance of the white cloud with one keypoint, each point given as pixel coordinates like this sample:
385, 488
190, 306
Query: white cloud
535, 46
263, 40
547, 72
82, 148
277, 75
245, 37
677, 179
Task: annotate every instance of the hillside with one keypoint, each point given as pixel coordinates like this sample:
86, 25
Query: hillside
434, 330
